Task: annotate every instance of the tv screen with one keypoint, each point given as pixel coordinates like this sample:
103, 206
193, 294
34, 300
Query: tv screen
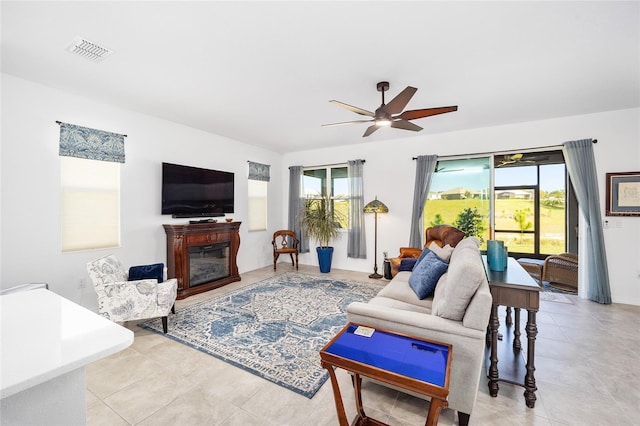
194, 192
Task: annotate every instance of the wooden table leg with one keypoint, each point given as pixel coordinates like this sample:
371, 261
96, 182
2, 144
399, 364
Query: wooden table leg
357, 385
435, 407
529, 378
507, 320
516, 333
493, 369
342, 416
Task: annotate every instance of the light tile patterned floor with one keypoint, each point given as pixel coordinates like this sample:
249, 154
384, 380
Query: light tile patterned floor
587, 372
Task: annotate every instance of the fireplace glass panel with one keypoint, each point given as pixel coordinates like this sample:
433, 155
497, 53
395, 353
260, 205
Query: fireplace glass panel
208, 263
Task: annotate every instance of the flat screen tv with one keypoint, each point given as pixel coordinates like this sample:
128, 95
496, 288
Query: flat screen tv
195, 192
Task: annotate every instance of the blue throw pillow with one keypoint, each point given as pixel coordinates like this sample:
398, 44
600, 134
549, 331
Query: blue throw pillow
407, 264
422, 255
146, 272
426, 274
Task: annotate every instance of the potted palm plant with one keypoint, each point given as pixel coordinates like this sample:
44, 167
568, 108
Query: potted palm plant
320, 223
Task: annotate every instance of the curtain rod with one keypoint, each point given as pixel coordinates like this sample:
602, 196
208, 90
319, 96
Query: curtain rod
525, 149
60, 122
327, 165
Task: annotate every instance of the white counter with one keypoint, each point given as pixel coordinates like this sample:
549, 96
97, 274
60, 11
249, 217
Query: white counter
46, 341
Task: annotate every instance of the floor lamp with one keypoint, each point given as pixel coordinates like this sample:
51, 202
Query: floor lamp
375, 207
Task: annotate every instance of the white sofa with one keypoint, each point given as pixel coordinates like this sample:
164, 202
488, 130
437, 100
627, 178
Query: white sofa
458, 313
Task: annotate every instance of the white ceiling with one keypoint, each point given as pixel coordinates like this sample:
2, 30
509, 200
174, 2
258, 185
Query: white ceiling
263, 72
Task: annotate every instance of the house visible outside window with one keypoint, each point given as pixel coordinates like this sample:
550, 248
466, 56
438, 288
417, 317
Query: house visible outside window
529, 206
90, 204
331, 181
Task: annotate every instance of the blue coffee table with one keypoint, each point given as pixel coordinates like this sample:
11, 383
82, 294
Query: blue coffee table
417, 365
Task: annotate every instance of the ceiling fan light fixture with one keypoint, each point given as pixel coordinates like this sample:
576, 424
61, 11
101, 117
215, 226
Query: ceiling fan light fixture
383, 122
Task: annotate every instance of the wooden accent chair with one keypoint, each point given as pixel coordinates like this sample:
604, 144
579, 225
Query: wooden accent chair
561, 271
285, 242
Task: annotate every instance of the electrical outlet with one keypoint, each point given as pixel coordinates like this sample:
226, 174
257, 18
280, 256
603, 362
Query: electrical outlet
605, 224
82, 283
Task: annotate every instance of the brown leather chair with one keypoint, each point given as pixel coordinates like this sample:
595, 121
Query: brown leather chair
285, 242
440, 234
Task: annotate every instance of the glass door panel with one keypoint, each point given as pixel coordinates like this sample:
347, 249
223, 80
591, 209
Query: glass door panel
459, 195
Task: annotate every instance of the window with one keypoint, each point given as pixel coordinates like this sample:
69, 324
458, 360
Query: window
529, 206
90, 204
332, 182
531, 203
257, 205
459, 195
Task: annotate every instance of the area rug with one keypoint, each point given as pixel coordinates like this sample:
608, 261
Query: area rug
274, 328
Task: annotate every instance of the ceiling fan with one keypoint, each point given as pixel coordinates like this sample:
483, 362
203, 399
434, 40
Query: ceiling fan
384, 115
521, 160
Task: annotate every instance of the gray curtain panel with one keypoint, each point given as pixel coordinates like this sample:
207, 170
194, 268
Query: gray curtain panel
356, 247
425, 167
296, 204
581, 165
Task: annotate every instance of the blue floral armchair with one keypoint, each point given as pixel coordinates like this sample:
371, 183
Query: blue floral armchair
122, 300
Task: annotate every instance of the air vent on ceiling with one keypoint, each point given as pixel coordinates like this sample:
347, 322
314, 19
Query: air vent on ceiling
87, 49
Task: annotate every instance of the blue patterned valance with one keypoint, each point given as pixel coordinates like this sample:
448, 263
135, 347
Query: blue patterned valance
92, 144
259, 171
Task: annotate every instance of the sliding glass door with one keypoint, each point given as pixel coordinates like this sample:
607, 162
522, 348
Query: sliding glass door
460, 195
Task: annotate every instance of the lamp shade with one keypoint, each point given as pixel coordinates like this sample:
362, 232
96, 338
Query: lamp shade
376, 206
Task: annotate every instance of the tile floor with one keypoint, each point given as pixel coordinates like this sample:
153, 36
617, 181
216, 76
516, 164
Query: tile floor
587, 372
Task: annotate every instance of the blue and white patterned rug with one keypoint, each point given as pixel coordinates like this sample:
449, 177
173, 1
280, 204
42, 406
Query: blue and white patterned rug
274, 328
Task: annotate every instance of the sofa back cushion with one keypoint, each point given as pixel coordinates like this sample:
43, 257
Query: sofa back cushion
466, 273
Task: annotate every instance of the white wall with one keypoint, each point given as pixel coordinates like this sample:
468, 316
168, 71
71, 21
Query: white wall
389, 173
30, 181
31, 196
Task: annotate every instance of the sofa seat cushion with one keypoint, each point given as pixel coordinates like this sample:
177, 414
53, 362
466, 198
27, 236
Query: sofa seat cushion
401, 306
465, 274
398, 289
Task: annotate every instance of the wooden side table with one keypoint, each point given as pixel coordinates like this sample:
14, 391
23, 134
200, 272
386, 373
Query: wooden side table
417, 365
514, 288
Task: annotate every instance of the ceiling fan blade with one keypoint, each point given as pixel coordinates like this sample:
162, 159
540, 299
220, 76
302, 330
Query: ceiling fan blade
398, 103
406, 125
427, 112
346, 122
370, 130
353, 108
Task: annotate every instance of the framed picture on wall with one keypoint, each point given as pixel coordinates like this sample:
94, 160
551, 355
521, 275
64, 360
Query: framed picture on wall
623, 194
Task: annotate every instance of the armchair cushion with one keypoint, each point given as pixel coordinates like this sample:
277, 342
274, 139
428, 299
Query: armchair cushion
426, 274
143, 272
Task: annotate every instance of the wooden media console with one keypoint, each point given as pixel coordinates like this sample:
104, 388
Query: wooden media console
202, 256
